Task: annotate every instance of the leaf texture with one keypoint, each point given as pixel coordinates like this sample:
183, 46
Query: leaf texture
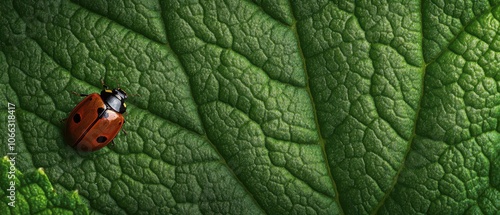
263, 107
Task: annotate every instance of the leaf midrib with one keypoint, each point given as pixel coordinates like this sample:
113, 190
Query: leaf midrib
205, 136
321, 140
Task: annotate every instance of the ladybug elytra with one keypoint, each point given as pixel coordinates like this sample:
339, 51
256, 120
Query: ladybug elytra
96, 120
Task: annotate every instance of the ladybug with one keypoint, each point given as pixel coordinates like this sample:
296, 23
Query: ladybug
96, 120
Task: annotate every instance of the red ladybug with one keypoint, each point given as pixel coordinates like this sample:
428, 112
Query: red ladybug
96, 120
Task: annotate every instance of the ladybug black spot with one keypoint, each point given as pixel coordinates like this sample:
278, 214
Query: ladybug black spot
77, 118
101, 139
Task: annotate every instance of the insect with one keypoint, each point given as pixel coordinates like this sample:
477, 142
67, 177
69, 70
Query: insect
96, 120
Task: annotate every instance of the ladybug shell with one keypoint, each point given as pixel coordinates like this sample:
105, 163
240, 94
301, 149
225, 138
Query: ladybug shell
86, 131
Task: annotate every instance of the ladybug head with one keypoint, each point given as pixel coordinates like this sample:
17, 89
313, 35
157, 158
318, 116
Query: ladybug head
120, 93
115, 99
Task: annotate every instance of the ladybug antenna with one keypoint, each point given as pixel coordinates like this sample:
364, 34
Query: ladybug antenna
134, 95
104, 84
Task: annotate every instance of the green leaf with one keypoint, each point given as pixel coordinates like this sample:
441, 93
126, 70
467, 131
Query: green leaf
32, 193
263, 107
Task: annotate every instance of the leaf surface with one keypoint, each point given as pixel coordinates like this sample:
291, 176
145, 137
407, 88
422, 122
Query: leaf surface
263, 107
32, 193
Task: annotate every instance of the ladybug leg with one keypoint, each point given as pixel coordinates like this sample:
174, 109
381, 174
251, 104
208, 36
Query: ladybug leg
112, 143
125, 132
123, 129
79, 94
